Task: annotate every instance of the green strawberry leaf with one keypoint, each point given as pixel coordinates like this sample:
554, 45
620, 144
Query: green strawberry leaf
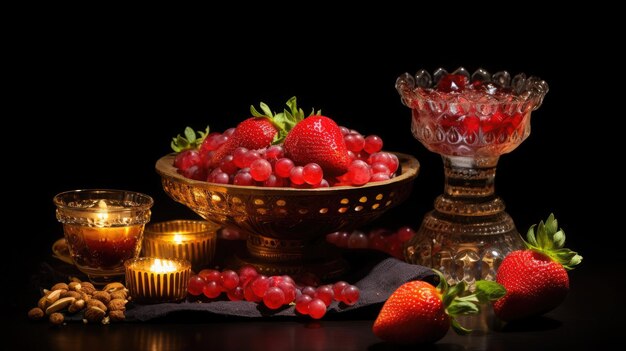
189, 141
552, 224
458, 328
489, 291
559, 239
255, 113
462, 307
549, 240
530, 236
453, 292
190, 135
266, 109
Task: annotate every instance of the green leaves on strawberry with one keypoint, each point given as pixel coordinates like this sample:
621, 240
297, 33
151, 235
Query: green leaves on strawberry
536, 279
550, 240
189, 140
417, 312
261, 130
283, 121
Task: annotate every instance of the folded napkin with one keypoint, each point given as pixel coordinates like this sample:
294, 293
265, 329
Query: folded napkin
376, 286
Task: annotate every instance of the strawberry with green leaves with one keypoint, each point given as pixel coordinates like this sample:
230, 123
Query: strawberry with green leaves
417, 312
536, 279
261, 130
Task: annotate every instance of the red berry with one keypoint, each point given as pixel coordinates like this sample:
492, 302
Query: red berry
373, 143
302, 303
212, 290
338, 288
229, 279
260, 285
246, 273
210, 275
283, 167
186, 159
260, 170
350, 295
358, 240
312, 173
354, 142
359, 172
273, 297
235, 294
325, 293
296, 175
195, 285
317, 309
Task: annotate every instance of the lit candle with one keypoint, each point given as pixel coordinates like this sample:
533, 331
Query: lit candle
154, 280
103, 228
191, 240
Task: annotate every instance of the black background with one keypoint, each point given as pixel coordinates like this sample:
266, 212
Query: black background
109, 106
98, 103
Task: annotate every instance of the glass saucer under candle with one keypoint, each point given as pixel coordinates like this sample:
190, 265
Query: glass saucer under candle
155, 280
187, 239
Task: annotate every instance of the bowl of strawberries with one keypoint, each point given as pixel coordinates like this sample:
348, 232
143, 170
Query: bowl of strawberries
287, 180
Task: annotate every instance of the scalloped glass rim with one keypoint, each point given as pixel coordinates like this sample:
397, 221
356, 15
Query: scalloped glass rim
141, 202
524, 89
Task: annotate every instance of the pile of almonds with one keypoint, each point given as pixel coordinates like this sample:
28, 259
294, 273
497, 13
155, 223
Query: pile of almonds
98, 306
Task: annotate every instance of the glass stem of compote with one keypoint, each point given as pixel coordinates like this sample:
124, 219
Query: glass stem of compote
469, 177
468, 233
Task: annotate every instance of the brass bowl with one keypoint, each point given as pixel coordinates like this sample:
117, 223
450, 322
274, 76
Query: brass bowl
286, 226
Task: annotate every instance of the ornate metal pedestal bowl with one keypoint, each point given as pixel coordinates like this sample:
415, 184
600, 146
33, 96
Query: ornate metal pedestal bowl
286, 226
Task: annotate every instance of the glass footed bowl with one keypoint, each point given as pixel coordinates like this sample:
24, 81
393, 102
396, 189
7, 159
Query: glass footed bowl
470, 120
286, 226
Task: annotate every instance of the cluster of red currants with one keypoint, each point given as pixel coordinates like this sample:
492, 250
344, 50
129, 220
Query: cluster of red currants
274, 292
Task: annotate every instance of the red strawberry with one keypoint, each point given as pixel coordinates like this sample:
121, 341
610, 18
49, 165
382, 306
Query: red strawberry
318, 139
536, 279
417, 312
260, 131
253, 133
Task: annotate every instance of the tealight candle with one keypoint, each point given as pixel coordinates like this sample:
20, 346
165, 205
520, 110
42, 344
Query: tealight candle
191, 240
154, 280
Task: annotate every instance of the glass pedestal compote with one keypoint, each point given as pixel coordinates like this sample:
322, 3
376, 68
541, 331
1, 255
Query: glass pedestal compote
470, 121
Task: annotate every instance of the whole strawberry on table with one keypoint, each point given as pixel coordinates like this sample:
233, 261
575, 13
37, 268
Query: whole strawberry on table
536, 279
284, 149
418, 312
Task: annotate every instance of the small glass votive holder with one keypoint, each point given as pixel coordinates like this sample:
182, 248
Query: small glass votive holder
103, 228
156, 280
187, 239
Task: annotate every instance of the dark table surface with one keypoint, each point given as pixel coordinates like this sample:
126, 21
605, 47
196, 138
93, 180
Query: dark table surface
588, 318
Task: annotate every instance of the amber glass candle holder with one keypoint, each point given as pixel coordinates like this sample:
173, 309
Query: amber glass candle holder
156, 280
103, 228
190, 240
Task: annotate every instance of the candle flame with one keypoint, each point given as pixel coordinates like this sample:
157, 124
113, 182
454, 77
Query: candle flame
178, 238
162, 266
103, 215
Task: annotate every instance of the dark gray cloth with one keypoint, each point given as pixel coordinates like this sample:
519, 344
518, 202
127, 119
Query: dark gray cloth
376, 285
